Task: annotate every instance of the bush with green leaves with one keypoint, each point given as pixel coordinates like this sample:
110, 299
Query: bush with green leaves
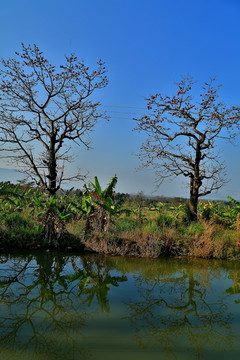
126, 224
166, 220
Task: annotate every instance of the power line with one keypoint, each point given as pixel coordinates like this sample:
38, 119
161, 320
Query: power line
123, 112
125, 118
122, 106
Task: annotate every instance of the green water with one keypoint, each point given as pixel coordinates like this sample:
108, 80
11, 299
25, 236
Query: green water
61, 306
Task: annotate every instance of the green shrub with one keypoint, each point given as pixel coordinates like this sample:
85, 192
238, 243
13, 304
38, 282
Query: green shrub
126, 224
226, 244
151, 227
195, 229
166, 220
15, 221
184, 214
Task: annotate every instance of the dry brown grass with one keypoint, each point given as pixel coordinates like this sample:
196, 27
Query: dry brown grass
203, 240
216, 242
202, 246
140, 243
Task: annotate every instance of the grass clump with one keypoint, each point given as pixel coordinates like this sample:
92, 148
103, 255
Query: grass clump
166, 220
126, 224
15, 221
18, 231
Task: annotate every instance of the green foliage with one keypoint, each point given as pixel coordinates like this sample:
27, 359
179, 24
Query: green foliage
104, 198
60, 206
151, 227
235, 202
19, 231
138, 206
8, 190
165, 227
216, 212
233, 212
210, 210
166, 220
126, 224
99, 205
195, 229
15, 221
10, 197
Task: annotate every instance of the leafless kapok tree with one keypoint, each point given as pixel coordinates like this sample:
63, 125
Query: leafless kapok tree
44, 110
182, 135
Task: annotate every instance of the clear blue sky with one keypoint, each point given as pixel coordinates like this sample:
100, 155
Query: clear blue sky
147, 46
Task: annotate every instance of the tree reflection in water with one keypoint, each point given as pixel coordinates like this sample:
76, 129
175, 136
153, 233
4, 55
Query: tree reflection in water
53, 307
176, 314
44, 307
234, 275
95, 280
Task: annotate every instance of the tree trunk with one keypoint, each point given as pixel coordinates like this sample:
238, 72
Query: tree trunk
193, 204
87, 226
195, 184
54, 229
99, 221
52, 165
194, 196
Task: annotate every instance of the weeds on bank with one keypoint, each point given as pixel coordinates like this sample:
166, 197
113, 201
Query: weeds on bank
170, 233
147, 231
18, 231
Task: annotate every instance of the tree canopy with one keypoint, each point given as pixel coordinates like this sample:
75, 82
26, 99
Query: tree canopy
182, 135
44, 110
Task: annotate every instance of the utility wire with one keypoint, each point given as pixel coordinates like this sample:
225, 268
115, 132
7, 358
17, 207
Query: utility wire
125, 118
122, 112
122, 106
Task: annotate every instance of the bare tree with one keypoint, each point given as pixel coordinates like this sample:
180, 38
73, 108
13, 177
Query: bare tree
182, 134
44, 110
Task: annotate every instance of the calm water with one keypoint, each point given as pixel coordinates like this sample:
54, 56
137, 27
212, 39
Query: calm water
57, 306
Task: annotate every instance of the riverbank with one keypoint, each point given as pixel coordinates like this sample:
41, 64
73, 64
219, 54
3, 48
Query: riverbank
201, 240
131, 237
118, 224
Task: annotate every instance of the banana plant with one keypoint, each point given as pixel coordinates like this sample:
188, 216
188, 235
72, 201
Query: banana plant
234, 213
84, 206
102, 204
10, 197
56, 204
104, 198
53, 212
